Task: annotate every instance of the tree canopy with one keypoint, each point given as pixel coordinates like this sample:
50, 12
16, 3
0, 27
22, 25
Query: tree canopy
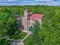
50, 23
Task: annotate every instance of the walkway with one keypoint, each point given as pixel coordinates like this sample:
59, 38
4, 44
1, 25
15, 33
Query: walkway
21, 42
28, 33
17, 42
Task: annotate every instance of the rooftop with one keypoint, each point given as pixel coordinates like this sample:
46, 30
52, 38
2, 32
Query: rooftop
36, 16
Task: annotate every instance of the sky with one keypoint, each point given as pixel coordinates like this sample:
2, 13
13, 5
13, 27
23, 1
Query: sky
29, 2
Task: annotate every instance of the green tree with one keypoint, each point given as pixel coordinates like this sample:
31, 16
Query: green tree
36, 29
8, 23
12, 27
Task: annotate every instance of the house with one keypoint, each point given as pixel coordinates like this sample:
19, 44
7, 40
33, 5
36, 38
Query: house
28, 19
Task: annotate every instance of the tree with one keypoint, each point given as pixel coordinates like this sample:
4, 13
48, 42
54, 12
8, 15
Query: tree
8, 24
36, 29
12, 27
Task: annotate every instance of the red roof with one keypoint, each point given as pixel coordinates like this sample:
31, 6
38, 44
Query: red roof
36, 16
